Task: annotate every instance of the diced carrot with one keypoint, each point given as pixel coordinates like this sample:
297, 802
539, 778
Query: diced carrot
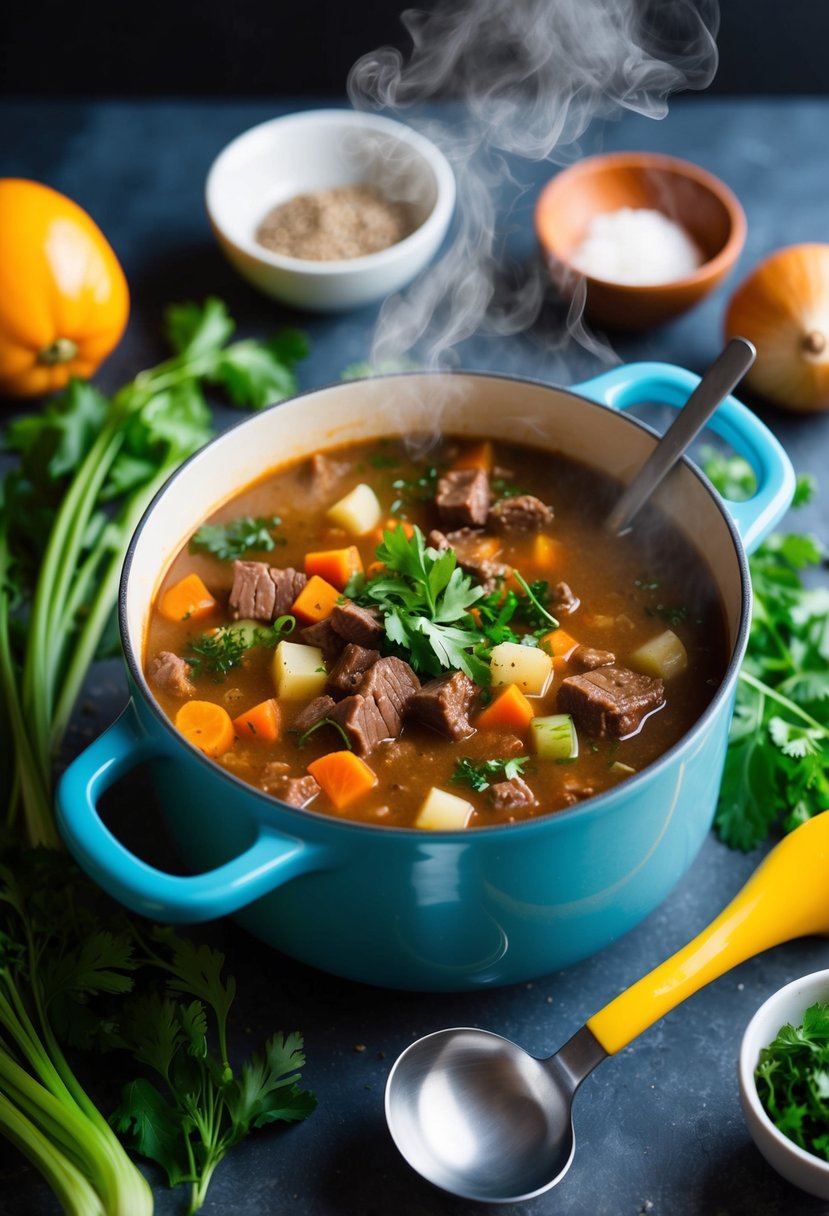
374, 568
207, 726
545, 552
476, 456
510, 711
559, 644
343, 776
188, 599
315, 601
336, 566
261, 722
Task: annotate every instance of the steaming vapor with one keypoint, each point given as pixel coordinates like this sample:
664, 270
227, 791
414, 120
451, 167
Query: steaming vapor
532, 75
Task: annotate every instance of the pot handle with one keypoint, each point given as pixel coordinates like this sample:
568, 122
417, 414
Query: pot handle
636, 383
271, 860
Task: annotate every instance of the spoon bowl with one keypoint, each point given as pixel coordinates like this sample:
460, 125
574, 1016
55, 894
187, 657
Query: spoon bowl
480, 1118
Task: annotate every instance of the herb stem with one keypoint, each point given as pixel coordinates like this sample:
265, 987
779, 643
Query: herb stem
766, 691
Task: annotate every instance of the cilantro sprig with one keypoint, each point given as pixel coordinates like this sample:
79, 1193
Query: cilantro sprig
425, 599
237, 538
792, 1079
481, 774
777, 766
220, 650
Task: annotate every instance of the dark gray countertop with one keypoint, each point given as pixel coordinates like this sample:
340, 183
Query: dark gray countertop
659, 1127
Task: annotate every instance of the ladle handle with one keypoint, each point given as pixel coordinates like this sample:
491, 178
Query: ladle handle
786, 897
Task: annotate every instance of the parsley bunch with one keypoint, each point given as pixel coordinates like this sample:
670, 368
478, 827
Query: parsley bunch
425, 599
793, 1081
777, 765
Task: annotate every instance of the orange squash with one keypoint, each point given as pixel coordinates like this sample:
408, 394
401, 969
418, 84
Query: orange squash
64, 300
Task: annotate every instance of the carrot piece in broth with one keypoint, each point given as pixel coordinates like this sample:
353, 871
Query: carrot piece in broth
315, 601
261, 722
343, 776
336, 566
510, 711
207, 726
187, 600
559, 645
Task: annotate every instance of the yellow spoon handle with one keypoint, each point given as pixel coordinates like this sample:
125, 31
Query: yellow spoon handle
786, 897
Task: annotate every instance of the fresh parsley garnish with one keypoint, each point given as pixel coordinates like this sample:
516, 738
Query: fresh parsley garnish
312, 730
220, 650
792, 1079
425, 599
671, 616
414, 489
481, 774
231, 541
777, 765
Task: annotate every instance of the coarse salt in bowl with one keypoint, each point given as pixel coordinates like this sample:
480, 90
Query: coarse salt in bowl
584, 199
319, 150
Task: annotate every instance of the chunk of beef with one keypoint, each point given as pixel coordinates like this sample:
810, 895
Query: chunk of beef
577, 791
588, 658
462, 498
261, 592
324, 635
349, 669
512, 795
473, 549
170, 673
312, 713
296, 791
361, 625
610, 701
362, 722
443, 704
392, 684
375, 712
322, 474
523, 513
563, 600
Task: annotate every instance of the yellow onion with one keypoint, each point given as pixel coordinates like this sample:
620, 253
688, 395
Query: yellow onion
783, 308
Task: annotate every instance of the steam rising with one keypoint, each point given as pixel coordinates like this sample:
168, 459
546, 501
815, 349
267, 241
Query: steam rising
532, 76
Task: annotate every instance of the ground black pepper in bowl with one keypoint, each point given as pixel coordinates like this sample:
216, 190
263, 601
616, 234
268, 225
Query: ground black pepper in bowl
334, 225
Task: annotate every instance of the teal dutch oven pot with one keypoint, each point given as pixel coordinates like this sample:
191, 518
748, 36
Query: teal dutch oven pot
402, 907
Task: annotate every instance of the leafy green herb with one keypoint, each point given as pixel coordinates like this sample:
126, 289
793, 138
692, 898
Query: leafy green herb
501, 488
481, 774
219, 651
425, 599
672, 616
793, 1081
777, 765
83, 469
236, 539
731, 475
306, 735
531, 607
200, 1107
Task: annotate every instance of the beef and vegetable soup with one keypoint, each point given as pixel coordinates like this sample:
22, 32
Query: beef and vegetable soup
437, 641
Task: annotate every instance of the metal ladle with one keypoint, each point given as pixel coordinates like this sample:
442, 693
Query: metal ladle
722, 377
480, 1118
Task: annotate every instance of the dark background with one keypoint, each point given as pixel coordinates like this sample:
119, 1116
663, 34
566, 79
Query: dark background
295, 47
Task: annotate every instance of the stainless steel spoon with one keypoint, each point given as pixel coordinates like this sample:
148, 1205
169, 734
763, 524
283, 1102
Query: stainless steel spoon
724, 374
480, 1118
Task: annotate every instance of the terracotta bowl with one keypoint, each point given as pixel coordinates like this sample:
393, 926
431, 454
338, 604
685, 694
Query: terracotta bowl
691, 196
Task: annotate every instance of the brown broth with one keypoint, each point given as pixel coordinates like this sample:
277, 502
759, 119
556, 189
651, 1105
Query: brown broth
629, 591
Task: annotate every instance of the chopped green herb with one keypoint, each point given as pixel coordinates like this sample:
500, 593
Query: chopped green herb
234, 540
414, 489
672, 616
312, 730
793, 1081
646, 584
219, 651
501, 488
531, 607
481, 774
425, 600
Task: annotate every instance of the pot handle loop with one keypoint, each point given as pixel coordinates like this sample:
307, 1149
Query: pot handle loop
633, 384
271, 859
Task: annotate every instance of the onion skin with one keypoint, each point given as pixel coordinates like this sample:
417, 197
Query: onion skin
783, 308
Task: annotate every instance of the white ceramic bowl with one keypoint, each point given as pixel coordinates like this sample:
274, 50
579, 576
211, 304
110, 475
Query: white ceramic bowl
323, 149
787, 1005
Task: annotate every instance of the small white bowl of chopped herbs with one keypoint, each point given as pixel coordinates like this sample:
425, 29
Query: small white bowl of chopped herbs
330, 209
783, 1074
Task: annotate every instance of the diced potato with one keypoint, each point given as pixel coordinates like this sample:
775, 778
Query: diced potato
298, 671
527, 666
662, 656
358, 512
555, 737
443, 812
